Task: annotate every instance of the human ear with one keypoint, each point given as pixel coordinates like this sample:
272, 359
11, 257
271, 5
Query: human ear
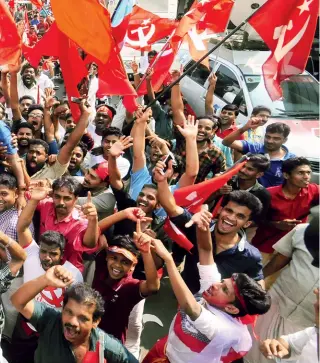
248, 224
231, 309
96, 323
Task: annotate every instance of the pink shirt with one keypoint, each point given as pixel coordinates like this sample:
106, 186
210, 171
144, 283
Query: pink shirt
73, 227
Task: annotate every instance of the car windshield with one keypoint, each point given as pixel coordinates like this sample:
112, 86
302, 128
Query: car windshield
300, 96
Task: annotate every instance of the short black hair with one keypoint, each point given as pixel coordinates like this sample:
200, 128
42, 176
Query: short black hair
68, 182
84, 294
41, 143
151, 186
25, 125
35, 107
244, 198
231, 107
27, 97
259, 109
290, 164
126, 242
257, 300
114, 131
278, 128
8, 181
214, 118
260, 162
27, 66
83, 147
152, 53
54, 239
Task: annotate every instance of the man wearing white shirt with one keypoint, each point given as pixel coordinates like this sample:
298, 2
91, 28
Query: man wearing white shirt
208, 327
40, 258
27, 84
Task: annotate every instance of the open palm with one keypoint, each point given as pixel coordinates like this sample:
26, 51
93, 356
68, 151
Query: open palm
118, 147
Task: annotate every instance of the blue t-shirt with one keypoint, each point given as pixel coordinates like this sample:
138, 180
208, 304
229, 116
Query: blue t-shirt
5, 138
273, 176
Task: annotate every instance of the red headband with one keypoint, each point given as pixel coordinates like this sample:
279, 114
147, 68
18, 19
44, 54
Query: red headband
102, 171
106, 110
238, 295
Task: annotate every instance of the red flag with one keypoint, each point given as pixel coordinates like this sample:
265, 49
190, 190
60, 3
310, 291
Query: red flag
289, 33
87, 23
176, 235
37, 3
146, 28
161, 68
10, 40
55, 43
193, 196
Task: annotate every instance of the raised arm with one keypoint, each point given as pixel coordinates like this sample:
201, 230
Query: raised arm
209, 109
166, 199
16, 114
22, 299
5, 87
231, 139
17, 253
189, 132
64, 155
143, 242
138, 134
92, 234
47, 121
135, 70
177, 102
277, 262
150, 90
186, 300
115, 151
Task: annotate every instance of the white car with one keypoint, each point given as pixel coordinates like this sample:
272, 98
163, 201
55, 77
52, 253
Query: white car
240, 82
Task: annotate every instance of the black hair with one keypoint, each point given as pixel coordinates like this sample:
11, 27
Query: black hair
259, 109
278, 128
41, 143
231, 107
27, 66
25, 125
83, 147
260, 162
244, 198
53, 238
114, 131
152, 53
290, 164
27, 97
126, 242
215, 119
68, 115
35, 107
68, 182
84, 294
8, 181
257, 300
151, 186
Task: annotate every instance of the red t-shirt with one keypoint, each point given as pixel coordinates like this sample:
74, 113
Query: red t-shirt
120, 298
32, 39
43, 27
283, 208
223, 134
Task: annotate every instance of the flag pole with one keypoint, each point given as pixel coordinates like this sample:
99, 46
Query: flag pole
201, 59
115, 10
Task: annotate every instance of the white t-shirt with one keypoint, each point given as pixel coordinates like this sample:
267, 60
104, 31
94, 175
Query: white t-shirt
33, 269
122, 163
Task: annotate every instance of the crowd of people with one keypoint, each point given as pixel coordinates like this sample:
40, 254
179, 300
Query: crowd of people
83, 208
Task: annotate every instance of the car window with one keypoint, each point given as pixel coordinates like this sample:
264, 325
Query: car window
228, 88
199, 74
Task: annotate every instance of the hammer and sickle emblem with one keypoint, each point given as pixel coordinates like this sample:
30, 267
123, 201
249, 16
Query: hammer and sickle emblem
143, 38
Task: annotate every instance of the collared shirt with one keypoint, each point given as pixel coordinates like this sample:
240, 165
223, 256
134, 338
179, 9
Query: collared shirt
73, 227
223, 134
120, 298
5, 281
227, 151
282, 208
51, 171
35, 91
243, 257
293, 289
8, 223
272, 176
53, 347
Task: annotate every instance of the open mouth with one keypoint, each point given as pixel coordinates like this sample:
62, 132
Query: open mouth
33, 164
70, 333
115, 272
142, 204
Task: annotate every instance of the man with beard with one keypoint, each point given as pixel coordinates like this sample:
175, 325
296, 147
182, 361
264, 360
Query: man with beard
71, 335
274, 139
27, 84
24, 103
59, 214
37, 156
232, 252
96, 180
25, 133
40, 257
101, 122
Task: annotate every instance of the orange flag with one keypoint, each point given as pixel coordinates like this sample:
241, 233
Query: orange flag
10, 41
87, 23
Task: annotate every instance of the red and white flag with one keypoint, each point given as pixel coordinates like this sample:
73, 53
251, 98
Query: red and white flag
289, 33
146, 28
